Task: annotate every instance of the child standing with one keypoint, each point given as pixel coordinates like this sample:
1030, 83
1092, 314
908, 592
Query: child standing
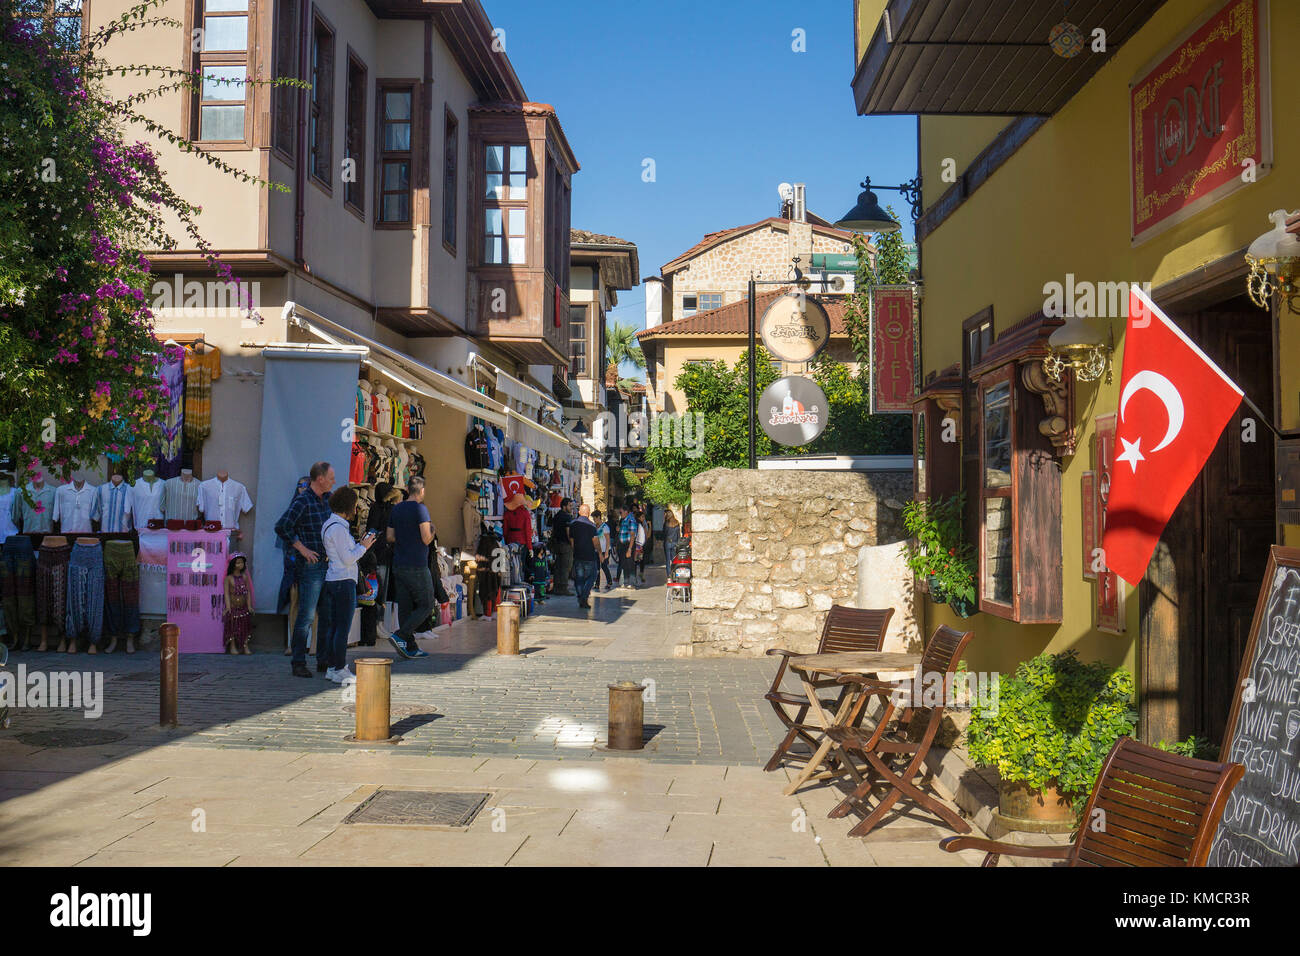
238, 617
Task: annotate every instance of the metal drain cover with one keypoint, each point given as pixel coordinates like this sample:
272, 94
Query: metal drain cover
419, 808
88, 737
184, 676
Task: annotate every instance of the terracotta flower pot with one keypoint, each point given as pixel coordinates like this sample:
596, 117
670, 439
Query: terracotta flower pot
1037, 811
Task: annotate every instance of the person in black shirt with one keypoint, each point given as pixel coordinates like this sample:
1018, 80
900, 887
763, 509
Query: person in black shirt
586, 553
378, 559
562, 546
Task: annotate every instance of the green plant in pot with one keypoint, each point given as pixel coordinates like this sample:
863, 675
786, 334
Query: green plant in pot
1048, 730
938, 554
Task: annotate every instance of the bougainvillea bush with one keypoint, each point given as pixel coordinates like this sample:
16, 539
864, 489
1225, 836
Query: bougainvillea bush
80, 202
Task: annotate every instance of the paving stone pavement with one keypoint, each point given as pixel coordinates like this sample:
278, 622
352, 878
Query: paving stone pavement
262, 755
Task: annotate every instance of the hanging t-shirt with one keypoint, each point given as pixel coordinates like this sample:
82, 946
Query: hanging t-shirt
357, 470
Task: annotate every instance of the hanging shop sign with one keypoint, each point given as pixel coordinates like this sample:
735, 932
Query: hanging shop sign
795, 328
793, 410
1199, 118
894, 341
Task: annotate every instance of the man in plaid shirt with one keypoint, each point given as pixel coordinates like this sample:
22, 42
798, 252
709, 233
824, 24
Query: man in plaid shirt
300, 528
627, 529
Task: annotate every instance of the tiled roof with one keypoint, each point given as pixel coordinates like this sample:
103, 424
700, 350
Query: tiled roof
714, 238
733, 318
595, 238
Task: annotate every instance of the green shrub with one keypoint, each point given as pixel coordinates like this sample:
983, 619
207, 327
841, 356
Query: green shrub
940, 550
1053, 722
1193, 746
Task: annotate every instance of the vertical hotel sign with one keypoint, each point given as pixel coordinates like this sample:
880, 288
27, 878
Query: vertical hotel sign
1197, 113
893, 348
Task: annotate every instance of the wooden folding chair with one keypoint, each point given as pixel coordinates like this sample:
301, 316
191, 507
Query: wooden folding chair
846, 630
1148, 808
885, 750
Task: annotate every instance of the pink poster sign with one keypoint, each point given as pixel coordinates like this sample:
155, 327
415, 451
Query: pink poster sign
196, 569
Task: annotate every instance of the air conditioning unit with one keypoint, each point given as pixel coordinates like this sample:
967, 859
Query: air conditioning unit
830, 283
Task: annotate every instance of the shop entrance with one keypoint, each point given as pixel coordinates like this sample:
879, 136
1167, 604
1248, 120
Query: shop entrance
1198, 596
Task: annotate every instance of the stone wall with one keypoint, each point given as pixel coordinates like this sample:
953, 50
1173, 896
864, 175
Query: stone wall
773, 550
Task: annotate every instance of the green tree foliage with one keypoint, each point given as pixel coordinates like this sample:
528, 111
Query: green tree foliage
718, 393
621, 345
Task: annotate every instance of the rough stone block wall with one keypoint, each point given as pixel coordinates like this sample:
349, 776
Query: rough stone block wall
773, 550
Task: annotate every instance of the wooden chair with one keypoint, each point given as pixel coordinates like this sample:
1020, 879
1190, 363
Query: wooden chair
846, 630
911, 740
1148, 808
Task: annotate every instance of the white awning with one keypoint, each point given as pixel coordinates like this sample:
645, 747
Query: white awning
515, 389
539, 437
408, 372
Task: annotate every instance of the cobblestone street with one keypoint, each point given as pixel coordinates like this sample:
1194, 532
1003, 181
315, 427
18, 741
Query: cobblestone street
262, 754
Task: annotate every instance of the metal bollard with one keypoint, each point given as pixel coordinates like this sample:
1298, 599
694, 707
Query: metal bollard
626, 716
508, 628
169, 660
374, 701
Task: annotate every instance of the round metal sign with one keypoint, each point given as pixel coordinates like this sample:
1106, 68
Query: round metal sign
795, 328
793, 410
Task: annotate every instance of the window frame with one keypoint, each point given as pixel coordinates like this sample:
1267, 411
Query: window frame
697, 296
384, 86
505, 206
316, 96
450, 178
286, 97
202, 61
354, 138
585, 309
50, 15
994, 379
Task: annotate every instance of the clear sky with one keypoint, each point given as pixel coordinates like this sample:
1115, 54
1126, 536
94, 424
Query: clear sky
714, 93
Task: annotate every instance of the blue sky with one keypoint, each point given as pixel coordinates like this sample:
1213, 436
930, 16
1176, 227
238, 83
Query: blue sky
713, 92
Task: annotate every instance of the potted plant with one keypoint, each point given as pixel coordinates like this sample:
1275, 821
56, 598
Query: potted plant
937, 553
1047, 731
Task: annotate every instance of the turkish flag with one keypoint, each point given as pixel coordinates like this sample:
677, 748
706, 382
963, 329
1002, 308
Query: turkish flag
1174, 404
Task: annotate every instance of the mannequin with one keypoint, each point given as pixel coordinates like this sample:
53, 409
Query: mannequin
113, 505
470, 517
224, 499
518, 521
146, 499
37, 517
390, 467
383, 416
403, 465
365, 404
52, 589
85, 610
74, 505
181, 496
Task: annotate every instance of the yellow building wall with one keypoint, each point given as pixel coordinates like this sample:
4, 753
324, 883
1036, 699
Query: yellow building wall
1061, 205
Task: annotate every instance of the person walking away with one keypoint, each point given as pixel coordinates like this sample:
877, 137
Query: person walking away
606, 552
378, 560
300, 529
410, 531
627, 532
287, 600
237, 619
339, 603
562, 546
586, 554
642, 545
672, 534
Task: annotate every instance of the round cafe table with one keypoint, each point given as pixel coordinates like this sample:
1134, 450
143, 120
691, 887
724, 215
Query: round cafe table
898, 666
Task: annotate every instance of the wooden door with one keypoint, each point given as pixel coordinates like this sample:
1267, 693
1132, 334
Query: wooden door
1200, 589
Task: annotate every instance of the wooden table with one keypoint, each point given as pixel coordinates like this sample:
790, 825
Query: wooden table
858, 662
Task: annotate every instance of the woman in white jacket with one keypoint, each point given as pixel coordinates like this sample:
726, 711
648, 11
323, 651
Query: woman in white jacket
338, 601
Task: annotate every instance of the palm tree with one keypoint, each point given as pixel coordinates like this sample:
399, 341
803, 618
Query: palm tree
621, 345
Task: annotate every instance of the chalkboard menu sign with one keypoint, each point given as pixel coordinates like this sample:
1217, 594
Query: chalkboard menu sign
1261, 821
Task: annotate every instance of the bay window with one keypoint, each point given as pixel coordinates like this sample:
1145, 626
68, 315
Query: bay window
505, 217
395, 137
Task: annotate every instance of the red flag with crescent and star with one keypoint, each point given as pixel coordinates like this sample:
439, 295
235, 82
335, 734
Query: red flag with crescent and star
1173, 405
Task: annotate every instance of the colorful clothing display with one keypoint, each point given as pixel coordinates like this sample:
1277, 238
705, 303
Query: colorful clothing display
121, 588
172, 373
52, 583
85, 601
202, 368
7, 524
